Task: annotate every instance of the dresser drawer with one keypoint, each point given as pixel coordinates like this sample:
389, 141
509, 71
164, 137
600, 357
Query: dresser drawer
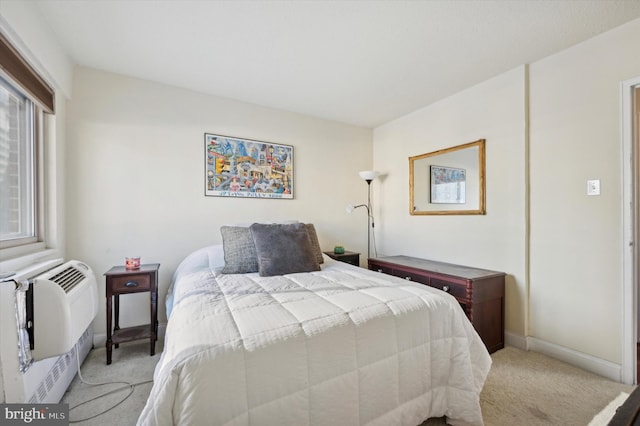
458, 291
383, 269
410, 276
130, 283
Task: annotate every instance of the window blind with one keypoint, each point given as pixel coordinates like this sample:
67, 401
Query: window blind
22, 73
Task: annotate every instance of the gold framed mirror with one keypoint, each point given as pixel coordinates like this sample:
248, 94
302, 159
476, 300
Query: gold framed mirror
448, 181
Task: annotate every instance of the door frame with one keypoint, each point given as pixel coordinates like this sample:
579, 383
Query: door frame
630, 228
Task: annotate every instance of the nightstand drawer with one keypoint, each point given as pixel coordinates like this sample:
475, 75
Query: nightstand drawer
456, 290
130, 283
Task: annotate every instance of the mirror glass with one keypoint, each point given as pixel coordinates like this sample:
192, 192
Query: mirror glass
448, 181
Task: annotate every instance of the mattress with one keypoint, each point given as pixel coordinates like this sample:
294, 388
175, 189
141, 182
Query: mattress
339, 346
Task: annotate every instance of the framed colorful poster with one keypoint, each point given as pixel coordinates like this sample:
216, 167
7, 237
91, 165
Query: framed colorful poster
237, 167
448, 185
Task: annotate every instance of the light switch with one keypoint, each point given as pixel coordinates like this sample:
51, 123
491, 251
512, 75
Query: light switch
593, 187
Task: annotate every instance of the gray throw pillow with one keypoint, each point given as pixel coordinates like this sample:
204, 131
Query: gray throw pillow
239, 251
315, 244
283, 249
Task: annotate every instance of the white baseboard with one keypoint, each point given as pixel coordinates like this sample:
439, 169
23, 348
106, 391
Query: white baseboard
516, 340
587, 362
100, 339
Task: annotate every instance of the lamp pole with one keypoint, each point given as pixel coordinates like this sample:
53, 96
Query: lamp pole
368, 218
368, 176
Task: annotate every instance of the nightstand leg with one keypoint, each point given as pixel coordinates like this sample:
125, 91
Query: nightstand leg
109, 319
153, 294
117, 315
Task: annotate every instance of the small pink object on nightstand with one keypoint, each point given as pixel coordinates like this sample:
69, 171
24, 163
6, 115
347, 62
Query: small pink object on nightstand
132, 263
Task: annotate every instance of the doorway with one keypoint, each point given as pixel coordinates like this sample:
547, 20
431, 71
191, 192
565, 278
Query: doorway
631, 230
635, 113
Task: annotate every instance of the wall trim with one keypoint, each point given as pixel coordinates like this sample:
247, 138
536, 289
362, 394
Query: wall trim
587, 362
578, 359
629, 304
516, 340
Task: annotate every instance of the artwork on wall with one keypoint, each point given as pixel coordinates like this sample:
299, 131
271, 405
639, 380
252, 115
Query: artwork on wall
448, 185
237, 167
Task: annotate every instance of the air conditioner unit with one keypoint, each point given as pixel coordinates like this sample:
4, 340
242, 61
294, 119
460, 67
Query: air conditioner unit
65, 302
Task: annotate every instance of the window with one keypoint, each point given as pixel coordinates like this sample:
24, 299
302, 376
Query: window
18, 191
25, 98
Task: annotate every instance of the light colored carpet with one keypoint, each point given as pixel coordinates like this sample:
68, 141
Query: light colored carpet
523, 388
604, 416
130, 363
528, 388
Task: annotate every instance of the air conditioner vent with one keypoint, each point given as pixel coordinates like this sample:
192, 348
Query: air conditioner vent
65, 302
68, 278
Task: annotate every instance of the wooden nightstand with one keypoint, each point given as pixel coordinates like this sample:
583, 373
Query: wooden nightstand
346, 257
126, 281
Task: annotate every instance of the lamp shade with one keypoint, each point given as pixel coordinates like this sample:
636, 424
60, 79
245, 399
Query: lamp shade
369, 175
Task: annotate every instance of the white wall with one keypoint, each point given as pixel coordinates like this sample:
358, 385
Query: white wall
495, 111
135, 183
570, 298
576, 240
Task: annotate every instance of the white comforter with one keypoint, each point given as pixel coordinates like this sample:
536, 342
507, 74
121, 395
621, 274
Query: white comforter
341, 346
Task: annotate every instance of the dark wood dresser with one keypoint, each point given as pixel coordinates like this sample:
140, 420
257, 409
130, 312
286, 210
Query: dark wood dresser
480, 292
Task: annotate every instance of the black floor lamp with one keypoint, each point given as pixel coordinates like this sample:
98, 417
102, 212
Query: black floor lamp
368, 176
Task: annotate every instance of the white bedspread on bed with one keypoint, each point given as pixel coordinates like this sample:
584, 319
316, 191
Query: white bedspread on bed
341, 346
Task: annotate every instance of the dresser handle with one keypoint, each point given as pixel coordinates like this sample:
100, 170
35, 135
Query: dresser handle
130, 284
445, 288
407, 278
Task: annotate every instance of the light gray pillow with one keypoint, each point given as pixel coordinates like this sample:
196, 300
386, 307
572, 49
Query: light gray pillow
239, 250
283, 249
315, 244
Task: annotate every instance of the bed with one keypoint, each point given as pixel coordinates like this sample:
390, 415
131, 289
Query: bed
333, 345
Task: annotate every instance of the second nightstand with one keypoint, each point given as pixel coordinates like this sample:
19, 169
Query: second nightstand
346, 257
126, 281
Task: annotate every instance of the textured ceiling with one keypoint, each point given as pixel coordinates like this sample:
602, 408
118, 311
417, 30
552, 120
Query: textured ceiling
359, 62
